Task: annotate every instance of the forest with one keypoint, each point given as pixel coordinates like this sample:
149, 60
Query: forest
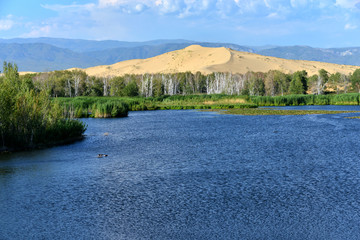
273, 83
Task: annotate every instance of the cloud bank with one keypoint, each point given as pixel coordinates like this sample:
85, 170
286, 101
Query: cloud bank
241, 21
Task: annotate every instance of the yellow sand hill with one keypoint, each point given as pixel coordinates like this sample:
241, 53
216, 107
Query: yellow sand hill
207, 60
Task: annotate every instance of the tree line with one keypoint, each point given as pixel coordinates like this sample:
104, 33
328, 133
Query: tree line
273, 83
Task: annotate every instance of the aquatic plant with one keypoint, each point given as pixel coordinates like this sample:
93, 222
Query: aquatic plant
296, 100
259, 111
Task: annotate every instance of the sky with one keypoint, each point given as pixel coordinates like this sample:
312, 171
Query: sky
320, 23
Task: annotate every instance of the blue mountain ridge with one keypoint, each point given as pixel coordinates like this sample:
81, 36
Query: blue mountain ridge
48, 54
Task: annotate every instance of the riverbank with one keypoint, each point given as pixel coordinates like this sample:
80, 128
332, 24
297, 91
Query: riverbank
28, 119
109, 107
261, 111
301, 99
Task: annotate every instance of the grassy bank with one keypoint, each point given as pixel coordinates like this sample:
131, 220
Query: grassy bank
259, 111
28, 119
297, 100
98, 107
107, 107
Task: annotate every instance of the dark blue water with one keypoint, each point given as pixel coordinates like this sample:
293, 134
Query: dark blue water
190, 175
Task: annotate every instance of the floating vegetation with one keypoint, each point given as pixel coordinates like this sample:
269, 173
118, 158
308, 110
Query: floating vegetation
107, 107
356, 117
300, 99
259, 111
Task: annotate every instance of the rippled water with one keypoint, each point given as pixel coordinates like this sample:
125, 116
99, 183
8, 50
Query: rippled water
190, 175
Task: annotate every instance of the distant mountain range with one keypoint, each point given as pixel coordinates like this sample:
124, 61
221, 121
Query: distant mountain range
47, 54
207, 60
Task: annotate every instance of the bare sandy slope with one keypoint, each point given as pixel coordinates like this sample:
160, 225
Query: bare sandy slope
207, 60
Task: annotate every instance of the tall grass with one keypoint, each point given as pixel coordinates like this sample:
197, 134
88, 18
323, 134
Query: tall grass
107, 107
98, 107
296, 100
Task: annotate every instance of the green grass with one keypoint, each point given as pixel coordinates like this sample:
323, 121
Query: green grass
297, 100
258, 111
106, 107
98, 107
357, 117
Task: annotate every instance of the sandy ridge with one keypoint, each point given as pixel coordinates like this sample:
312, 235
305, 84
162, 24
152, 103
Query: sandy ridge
207, 60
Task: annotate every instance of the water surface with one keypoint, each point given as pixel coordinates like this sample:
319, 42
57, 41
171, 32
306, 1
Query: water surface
190, 175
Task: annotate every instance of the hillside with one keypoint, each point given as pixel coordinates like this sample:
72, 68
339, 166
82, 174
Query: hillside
82, 46
47, 54
207, 60
349, 56
43, 57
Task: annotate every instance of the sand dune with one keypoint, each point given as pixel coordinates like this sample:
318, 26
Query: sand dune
207, 60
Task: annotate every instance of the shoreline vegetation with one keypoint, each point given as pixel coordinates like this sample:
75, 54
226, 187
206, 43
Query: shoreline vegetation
81, 95
40, 110
102, 107
258, 112
28, 118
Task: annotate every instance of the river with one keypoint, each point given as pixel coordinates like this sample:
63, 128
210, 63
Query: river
190, 175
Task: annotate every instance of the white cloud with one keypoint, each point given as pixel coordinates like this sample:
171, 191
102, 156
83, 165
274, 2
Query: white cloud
267, 4
193, 7
110, 17
273, 15
246, 5
7, 23
42, 31
349, 26
179, 8
125, 6
298, 3
185, 8
111, 3
69, 8
348, 3
140, 7
169, 6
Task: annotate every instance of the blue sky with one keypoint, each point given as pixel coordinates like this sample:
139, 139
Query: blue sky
321, 23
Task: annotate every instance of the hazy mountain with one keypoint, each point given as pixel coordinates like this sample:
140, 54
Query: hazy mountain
264, 47
45, 54
79, 45
114, 55
208, 60
348, 56
43, 57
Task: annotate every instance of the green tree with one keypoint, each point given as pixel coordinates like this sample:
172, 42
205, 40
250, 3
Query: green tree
256, 84
276, 83
335, 81
355, 80
95, 87
131, 89
298, 84
117, 85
